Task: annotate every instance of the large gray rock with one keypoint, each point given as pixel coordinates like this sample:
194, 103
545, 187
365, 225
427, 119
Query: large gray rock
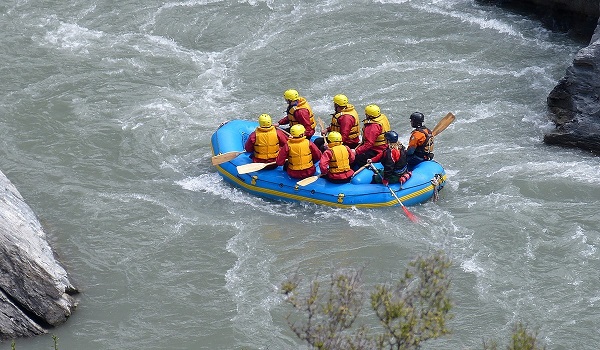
575, 102
35, 292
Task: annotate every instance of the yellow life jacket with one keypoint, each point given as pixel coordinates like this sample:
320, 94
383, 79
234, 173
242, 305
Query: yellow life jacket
299, 157
302, 103
335, 125
385, 127
267, 143
340, 160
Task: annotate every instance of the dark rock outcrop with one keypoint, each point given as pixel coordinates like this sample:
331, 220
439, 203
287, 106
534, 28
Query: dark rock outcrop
35, 292
577, 17
575, 102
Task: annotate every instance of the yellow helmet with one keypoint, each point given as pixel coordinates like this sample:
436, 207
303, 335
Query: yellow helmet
291, 95
297, 130
372, 111
264, 120
340, 100
334, 136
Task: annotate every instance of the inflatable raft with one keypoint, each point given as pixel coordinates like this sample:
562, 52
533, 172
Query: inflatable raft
426, 180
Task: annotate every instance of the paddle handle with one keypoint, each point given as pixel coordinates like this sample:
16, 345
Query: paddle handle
359, 170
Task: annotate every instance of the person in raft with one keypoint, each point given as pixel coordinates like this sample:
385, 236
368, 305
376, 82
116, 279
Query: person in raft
335, 161
393, 159
420, 144
345, 120
264, 142
298, 112
373, 142
300, 153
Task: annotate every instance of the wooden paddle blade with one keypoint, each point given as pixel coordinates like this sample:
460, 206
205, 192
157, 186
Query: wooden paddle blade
443, 124
308, 180
252, 167
321, 124
225, 157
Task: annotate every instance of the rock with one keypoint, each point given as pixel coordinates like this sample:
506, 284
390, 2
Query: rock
574, 103
35, 292
578, 17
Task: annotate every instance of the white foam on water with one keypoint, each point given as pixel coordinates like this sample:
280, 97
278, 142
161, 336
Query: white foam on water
213, 183
575, 171
483, 23
471, 265
249, 284
588, 249
73, 37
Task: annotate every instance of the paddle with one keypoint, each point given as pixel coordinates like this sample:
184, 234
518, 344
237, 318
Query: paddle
410, 215
359, 170
321, 124
249, 168
443, 124
225, 157
308, 180
285, 132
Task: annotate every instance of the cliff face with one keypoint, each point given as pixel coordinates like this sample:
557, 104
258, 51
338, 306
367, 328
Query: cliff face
35, 292
574, 104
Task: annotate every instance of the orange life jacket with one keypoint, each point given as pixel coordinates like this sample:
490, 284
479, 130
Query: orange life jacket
425, 150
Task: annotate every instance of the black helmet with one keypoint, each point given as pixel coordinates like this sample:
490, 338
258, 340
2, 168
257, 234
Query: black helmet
417, 119
391, 136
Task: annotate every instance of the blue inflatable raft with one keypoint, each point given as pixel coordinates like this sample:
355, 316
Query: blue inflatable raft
427, 178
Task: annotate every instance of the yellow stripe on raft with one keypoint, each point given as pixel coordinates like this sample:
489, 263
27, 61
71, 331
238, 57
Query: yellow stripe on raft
389, 203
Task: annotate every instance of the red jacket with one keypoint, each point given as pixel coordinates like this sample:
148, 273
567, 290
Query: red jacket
346, 122
370, 133
249, 146
299, 174
302, 115
324, 165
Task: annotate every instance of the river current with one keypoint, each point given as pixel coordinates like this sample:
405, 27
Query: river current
107, 108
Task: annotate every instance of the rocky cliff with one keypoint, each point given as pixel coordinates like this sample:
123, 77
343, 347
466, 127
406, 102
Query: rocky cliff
574, 104
35, 291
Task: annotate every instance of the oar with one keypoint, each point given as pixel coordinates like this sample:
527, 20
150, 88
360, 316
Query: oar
321, 124
443, 124
225, 157
359, 170
410, 215
308, 180
252, 167
285, 132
